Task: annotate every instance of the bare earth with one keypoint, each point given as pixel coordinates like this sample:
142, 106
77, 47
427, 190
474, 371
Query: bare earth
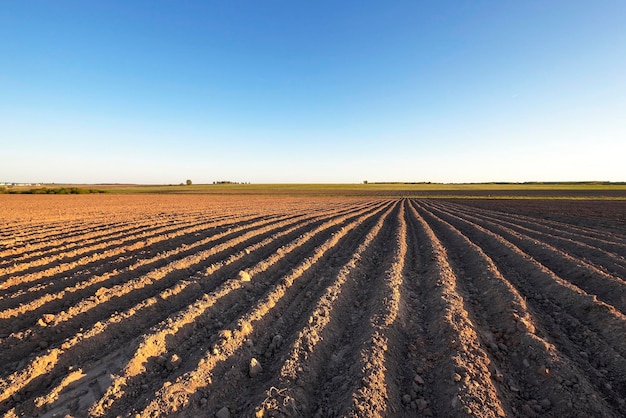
195, 306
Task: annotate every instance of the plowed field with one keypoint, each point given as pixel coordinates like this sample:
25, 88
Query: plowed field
274, 306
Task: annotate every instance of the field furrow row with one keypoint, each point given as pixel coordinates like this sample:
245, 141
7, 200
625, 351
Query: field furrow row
97, 238
105, 300
258, 314
170, 337
586, 276
613, 262
524, 359
188, 305
582, 328
313, 347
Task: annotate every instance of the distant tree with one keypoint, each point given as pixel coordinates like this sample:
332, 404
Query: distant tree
364, 181
188, 182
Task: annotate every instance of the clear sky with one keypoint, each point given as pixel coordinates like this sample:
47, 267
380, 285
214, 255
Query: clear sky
312, 91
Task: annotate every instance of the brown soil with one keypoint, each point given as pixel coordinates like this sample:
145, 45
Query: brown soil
192, 306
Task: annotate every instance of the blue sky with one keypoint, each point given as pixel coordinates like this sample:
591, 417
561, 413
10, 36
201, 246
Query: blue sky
312, 91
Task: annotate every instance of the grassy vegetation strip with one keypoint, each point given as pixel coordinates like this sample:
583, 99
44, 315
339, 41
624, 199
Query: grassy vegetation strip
383, 189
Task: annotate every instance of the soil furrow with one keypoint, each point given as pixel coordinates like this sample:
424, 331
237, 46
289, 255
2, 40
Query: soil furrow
588, 236
525, 362
313, 346
42, 233
586, 330
63, 251
377, 393
263, 278
229, 310
608, 261
332, 387
128, 276
107, 255
158, 249
95, 234
416, 389
201, 376
591, 279
70, 234
73, 231
582, 227
177, 296
189, 305
207, 213
456, 362
200, 256
154, 344
142, 258
99, 303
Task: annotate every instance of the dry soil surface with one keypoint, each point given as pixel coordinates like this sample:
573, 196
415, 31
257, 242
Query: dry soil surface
185, 306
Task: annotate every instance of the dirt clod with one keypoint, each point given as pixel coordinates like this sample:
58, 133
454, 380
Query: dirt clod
223, 413
254, 367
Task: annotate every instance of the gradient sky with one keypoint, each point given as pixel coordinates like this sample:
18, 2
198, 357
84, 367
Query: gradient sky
312, 91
